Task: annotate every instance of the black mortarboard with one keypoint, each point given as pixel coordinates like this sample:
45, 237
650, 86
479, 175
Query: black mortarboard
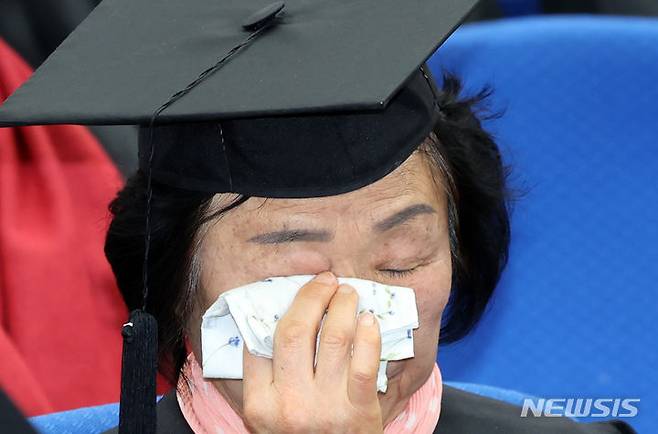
334, 85
247, 96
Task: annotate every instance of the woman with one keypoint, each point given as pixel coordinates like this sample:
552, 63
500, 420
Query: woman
315, 144
423, 225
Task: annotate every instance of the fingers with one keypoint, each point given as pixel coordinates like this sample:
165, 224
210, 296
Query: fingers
296, 333
336, 336
362, 377
256, 374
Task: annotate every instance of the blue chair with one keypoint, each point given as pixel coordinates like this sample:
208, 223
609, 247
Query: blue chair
86, 420
575, 313
95, 420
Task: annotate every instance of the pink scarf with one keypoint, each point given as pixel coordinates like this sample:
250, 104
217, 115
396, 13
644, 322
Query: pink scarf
207, 412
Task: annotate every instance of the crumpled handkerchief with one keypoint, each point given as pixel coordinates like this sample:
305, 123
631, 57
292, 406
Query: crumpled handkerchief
249, 315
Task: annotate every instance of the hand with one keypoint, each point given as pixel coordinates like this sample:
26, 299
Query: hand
286, 395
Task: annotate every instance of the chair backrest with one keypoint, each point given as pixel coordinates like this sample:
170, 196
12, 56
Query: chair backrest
86, 420
575, 312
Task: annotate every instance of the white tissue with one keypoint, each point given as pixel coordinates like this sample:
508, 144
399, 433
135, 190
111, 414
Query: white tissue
249, 314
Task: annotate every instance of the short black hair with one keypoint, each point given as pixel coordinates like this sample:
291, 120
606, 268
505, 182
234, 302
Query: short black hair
478, 214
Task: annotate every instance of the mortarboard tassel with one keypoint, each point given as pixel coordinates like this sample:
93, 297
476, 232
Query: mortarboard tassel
139, 364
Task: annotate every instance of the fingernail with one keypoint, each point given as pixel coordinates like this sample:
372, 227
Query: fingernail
326, 277
367, 319
345, 289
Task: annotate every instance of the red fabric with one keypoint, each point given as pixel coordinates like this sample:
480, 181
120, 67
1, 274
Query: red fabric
60, 309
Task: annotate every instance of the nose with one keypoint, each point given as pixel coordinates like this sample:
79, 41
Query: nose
344, 268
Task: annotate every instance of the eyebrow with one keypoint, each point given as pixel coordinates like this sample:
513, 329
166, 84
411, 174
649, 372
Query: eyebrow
289, 236
403, 216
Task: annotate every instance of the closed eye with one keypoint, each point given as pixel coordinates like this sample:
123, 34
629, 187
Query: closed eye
398, 273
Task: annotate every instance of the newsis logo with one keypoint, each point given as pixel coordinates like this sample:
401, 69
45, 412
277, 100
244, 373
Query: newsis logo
580, 407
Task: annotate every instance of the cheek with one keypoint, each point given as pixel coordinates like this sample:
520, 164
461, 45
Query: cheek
432, 286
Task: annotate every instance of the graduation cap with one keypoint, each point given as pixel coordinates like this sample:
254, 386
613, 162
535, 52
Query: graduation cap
307, 99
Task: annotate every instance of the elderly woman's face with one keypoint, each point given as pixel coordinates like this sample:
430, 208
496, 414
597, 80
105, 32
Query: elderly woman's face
393, 231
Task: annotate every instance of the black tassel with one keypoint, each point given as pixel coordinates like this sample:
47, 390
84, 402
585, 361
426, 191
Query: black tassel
139, 365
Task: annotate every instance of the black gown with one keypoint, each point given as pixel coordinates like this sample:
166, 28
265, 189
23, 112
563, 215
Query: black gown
461, 413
